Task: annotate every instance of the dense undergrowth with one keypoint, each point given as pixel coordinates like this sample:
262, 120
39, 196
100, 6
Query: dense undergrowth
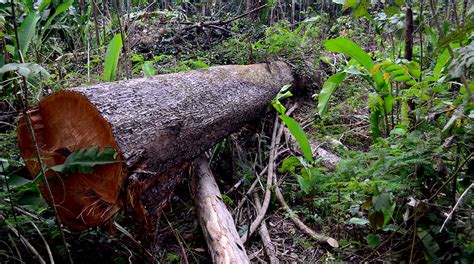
392, 101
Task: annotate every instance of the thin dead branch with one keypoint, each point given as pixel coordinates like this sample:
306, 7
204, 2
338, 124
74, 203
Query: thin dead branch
27, 244
266, 200
456, 205
263, 232
218, 23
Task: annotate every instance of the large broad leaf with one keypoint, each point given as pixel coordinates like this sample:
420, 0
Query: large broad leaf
27, 31
112, 57
351, 49
84, 160
299, 135
330, 85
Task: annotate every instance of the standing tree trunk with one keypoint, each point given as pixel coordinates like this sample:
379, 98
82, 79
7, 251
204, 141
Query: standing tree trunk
156, 124
409, 34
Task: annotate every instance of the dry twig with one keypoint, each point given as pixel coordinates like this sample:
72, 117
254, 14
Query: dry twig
455, 206
266, 199
263, 232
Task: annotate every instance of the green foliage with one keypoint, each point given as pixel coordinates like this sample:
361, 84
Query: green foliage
308, 177
148, 69
292, 125
60, 9
406, 72
282, 94
299, 135
231, 51
26, 32
351, 49
373, 240
282, 42
329, 87
84, 160
32, 71
359, 7
112, 57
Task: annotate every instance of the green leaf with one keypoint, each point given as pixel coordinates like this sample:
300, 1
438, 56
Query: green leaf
329, 86
382, 201
43, 5
148, 69
443, 58
282, 94
299, 135
405, 114
374, 123
351, 49
358, 221
83, 160
388, 213
289, 164
398, 131
388, 103
26, 32
199, 65
31, 71
373, 240
414, 69
429, 242
112, 57
359, 7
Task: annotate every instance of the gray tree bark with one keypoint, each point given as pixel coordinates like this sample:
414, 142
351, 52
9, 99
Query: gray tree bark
156, 124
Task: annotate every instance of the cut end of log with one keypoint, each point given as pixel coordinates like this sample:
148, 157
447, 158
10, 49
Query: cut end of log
62, 123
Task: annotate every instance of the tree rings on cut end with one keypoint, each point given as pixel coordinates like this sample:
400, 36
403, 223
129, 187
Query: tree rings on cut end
62, 123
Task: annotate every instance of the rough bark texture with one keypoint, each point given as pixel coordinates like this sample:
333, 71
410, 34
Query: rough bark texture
216, 221
409, 34
156, 124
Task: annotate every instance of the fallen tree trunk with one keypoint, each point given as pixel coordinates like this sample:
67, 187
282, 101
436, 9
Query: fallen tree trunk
157, 125
216, 221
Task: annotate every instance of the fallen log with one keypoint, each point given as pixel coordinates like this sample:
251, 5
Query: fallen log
216, 221
157, 125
